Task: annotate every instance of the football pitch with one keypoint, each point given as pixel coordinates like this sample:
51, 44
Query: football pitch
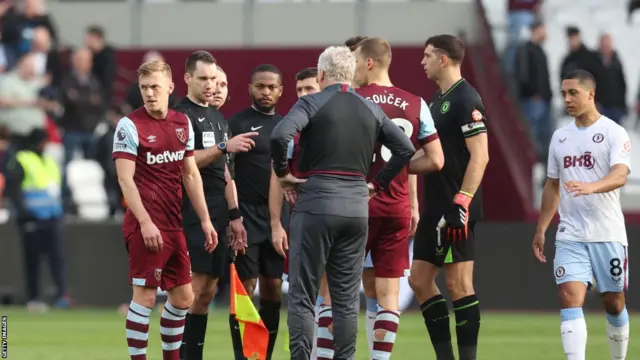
99, 335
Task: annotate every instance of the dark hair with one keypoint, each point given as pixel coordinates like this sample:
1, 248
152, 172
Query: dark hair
535, 25
449, 45
583, 76
572, 31
353, 42
96, 30
200, 55
307, 73
266, 68
4, 132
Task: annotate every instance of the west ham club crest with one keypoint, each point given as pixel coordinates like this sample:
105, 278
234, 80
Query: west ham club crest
182, 136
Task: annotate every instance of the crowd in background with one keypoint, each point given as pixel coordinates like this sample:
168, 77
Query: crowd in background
527, 67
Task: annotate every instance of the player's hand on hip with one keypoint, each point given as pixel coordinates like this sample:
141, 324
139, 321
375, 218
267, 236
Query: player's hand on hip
538, 247
210, 236
279, 239
458, 217
577, 188
151, 235
415, 219
241, 143
238, 234
372, 190
289, 185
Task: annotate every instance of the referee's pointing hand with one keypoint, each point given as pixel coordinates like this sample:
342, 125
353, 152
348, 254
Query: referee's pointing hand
241, 143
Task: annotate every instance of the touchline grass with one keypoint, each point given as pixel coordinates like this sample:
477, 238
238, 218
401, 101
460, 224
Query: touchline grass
100, 335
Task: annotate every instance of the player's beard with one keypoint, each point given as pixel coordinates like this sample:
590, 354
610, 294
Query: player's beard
262, 108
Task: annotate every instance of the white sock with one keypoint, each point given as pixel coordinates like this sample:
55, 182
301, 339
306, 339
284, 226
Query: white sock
574, 333
314, 348
618, 335
371, 320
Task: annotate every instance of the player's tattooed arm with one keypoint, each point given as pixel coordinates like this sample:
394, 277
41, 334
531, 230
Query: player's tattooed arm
478, 147
125, 170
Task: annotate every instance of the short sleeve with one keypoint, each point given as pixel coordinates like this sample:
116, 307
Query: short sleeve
620, 148
553, 171
427, 131
290, 148
471, 119
192, 139
125, 140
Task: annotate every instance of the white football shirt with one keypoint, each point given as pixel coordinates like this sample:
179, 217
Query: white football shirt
587, 155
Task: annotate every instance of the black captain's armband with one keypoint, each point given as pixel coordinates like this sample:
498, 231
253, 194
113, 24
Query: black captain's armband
234, 214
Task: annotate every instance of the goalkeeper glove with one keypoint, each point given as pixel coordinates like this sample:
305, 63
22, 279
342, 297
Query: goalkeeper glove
456, 220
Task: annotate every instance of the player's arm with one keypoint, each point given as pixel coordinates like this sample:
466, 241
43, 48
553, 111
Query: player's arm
125, 151
431, 157
276, 194
193, 181
230, 192
550, 192
391, 136
620, 164
474, 130
295, 121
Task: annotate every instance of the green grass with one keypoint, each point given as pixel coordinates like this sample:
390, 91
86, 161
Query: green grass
99, 335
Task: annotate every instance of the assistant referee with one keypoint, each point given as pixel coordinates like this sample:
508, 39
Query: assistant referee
252, 176
211, 143
452, 202
338, 134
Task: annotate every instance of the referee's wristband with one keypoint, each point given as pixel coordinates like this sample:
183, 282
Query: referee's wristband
234, 214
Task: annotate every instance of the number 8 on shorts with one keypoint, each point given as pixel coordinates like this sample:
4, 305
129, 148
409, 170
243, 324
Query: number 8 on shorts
606, 262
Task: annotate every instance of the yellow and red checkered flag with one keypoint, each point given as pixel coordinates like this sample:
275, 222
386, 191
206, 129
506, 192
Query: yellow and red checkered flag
254, 335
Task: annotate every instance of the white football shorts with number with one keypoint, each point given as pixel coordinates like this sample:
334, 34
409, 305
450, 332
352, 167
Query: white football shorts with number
591, 241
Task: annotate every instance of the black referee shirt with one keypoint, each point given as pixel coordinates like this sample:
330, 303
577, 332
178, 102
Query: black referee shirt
252, 170
210, 129
458, 114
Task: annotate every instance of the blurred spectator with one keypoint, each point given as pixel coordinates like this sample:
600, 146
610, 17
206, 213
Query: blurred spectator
22, 110
8, 57
32, 179
104, 156
522, 15
19, 22
47, 59
104, 59
532, 73
579, 57
5, 153
633, 6
133, 99
612, 86
82, 97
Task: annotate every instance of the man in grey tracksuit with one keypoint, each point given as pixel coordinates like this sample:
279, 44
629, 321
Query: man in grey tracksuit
328, 230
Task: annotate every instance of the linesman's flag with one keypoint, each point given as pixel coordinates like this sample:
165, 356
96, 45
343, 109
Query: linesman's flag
254, 335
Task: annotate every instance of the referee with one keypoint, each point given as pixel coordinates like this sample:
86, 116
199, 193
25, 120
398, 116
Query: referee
338, 133
211, 144
252, 176
452, 202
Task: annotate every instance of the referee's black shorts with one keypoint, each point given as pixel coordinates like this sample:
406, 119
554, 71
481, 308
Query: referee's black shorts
260, 258
202, 262
431, 246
